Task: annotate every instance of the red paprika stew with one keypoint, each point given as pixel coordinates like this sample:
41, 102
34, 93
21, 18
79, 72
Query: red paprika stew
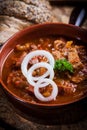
70, 71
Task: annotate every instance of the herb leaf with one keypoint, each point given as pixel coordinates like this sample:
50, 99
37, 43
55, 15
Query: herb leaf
63, 65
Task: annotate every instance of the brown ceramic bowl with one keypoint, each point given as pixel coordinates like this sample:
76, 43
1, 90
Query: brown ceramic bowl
46, 113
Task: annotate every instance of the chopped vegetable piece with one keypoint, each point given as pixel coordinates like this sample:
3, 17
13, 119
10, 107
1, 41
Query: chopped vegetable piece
68, 44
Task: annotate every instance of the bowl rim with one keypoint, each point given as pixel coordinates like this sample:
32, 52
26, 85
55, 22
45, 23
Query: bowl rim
22, 32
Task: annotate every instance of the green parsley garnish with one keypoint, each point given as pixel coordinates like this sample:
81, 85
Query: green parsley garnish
63, 65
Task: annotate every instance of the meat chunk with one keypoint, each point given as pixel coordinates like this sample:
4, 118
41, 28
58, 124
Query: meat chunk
16, 79
57, 54
82, 53
59, 44
34, 60
66, 86
77, 77
74, 59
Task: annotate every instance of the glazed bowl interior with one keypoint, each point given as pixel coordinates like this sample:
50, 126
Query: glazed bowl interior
34, 32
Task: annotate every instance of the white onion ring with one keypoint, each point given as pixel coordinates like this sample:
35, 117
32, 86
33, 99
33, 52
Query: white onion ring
31, 79
40, 81
32, 54
40, 96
